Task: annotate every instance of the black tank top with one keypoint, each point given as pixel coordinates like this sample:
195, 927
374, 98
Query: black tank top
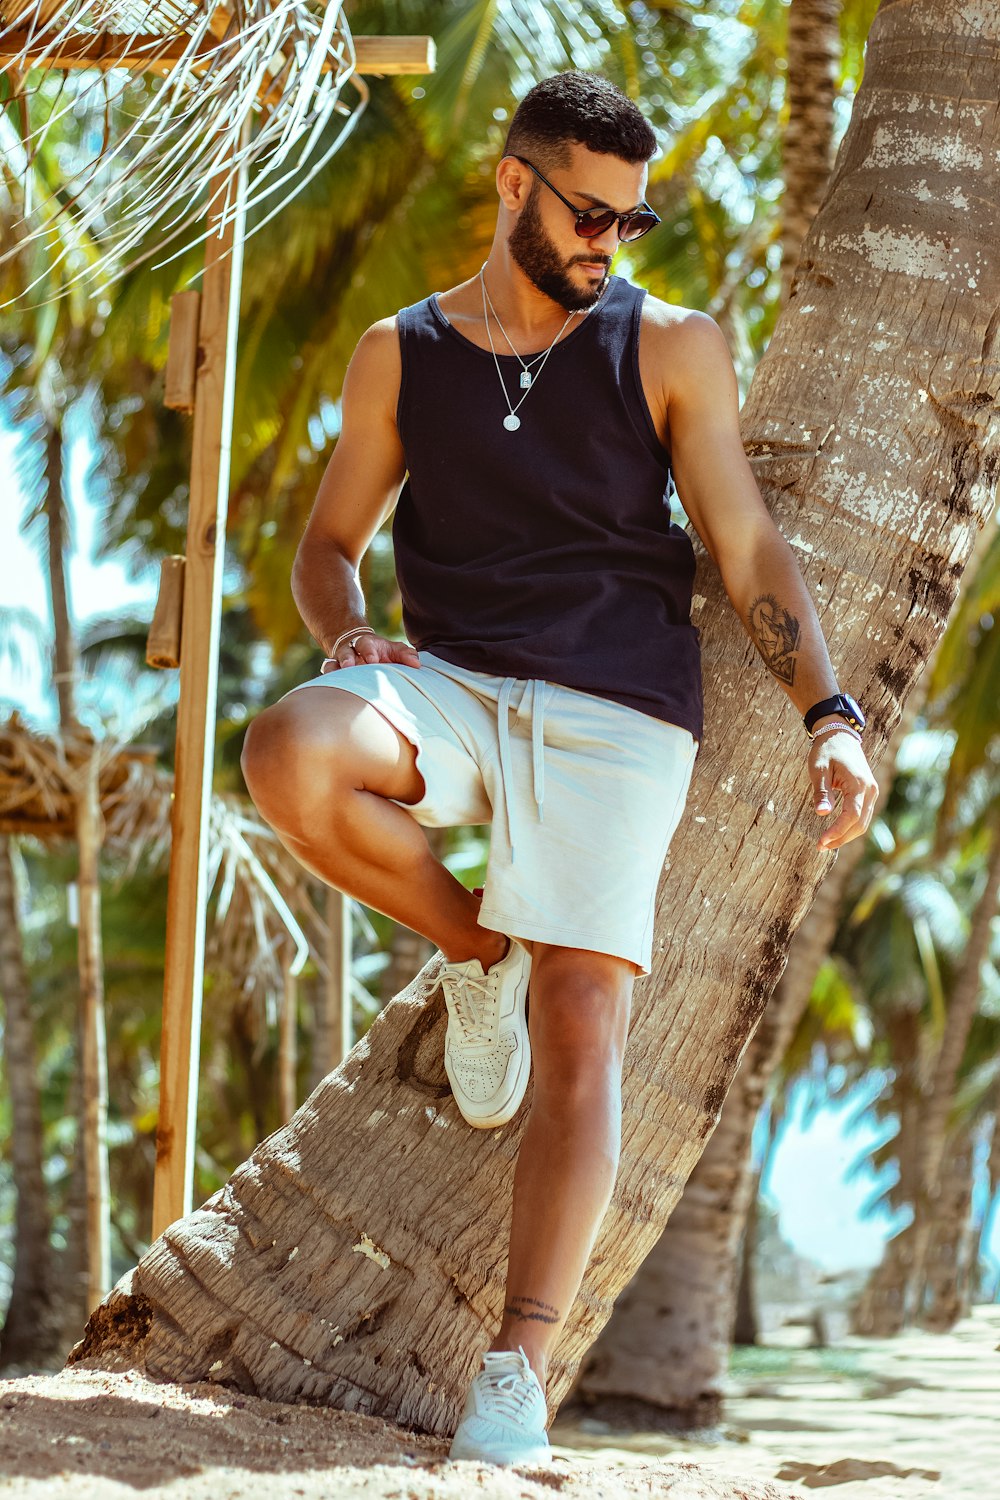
546, 552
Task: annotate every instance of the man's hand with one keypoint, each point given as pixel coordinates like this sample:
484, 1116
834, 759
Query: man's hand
371, 648
837, 763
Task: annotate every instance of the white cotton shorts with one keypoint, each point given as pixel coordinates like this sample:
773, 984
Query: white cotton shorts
582, 794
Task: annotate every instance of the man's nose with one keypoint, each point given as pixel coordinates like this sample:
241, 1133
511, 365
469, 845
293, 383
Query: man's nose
606, 243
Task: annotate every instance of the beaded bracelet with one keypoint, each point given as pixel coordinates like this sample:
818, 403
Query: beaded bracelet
837, 724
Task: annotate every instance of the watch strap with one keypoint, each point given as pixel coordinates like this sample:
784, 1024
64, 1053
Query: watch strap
839, 704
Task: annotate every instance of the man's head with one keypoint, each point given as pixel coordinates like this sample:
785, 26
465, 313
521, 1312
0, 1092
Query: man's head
592, 144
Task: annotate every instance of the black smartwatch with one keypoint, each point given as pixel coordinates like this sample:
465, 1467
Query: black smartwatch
842, 704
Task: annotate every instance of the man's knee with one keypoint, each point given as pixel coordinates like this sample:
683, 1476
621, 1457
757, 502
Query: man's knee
289, 761
579, 1013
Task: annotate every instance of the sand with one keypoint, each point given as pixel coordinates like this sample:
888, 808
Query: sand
909, 1418
897, 1419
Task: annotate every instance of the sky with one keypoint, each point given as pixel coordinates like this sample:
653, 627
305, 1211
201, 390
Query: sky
809, 1179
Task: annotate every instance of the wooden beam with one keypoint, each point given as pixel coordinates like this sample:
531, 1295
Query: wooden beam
378, 55
187, 886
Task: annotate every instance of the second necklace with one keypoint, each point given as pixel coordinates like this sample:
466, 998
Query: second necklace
512, 421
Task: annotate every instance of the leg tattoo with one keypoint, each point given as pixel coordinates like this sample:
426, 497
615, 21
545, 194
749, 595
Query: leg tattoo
775, 633
530, 1310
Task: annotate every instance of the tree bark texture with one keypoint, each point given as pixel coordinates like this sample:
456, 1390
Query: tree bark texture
358, 1257
807, 148
30, 1329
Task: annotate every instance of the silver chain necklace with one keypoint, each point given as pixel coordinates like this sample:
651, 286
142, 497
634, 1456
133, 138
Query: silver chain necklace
512, 421
524, 363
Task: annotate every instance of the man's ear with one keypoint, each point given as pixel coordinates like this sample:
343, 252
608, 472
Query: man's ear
513, 183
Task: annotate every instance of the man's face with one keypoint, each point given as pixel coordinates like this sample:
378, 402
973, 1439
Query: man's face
544, 243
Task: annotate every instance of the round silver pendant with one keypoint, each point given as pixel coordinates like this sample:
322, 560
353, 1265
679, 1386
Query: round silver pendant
512, 423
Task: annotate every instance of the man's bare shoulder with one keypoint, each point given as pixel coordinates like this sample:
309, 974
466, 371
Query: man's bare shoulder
380, 342
376, 365
670, 321
690, 342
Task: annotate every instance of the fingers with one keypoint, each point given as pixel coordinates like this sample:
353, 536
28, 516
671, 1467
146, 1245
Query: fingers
855, 815
365, 650
370, 649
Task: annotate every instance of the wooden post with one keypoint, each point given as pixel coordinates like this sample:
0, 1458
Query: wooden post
195, 744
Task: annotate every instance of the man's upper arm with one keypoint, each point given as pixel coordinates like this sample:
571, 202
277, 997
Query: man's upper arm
362, 480
714, 480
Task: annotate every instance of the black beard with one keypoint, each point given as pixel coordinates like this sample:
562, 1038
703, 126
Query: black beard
535, 254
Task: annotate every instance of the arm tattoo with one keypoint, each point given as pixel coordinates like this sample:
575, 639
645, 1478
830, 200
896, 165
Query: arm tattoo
775, 633
530, 1310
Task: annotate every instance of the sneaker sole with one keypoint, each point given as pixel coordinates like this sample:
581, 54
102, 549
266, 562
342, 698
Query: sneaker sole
470, 1453
503, 1113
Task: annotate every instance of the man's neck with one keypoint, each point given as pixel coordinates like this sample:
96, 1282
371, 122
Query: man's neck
527, 314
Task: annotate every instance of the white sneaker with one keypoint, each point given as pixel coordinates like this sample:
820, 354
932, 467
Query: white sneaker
504, 1418
487, 1056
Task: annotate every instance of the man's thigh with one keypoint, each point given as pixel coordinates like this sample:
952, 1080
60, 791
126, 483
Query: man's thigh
369, 750
440, 735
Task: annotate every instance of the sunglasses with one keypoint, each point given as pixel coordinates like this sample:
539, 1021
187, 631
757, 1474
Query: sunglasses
594, 221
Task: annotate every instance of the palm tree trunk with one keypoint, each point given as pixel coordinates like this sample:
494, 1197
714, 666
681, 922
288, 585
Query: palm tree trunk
963, 1003
64, 658
358, 1257
92, 1146
746, 1319
950, 1247
93, 1038
807, 148
891, 1298
880, 1308
29, 1333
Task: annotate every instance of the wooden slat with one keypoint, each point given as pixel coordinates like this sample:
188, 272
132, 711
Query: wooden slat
376, 55
187, 887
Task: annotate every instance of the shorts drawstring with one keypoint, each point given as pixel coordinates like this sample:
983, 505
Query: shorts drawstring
538, 690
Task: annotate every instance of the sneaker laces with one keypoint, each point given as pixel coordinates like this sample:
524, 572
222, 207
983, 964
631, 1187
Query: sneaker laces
512, 1391
476, 1017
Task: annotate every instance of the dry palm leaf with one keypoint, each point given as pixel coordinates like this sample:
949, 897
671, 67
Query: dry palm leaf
254, 83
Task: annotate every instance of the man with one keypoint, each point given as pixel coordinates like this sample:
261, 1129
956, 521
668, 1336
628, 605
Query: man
525, 425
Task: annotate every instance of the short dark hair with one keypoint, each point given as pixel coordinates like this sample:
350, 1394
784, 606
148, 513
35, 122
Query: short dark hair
581, 108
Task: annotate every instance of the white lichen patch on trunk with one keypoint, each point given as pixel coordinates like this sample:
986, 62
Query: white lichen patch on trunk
897, 145
895, 250
367, 1246
954, 195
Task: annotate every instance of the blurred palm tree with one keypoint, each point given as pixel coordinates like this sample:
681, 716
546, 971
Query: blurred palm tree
921, 936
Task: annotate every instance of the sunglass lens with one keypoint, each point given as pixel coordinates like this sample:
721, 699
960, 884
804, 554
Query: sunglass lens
596, 222
636, 225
